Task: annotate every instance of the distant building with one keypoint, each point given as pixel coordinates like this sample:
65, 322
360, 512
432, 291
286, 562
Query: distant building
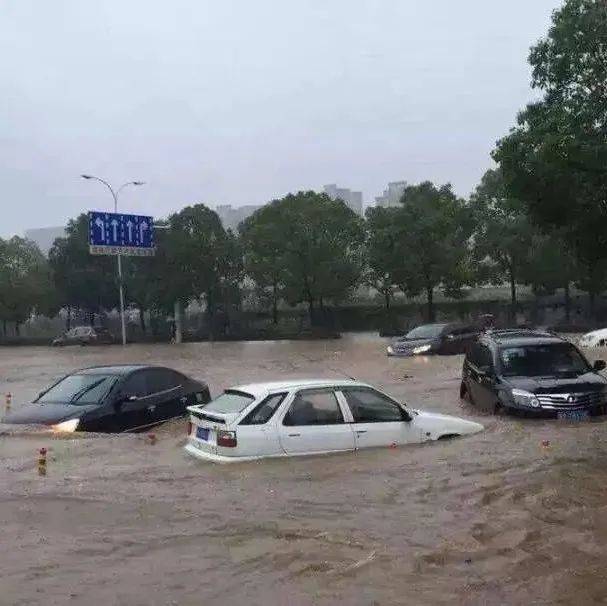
392, 194
232, 216
45, 237
354, 199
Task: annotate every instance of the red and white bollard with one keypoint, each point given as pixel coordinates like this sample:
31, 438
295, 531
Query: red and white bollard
152, 438
42, 462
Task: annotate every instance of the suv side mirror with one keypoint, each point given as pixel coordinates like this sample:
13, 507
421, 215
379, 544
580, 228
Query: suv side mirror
486, 371
600, 365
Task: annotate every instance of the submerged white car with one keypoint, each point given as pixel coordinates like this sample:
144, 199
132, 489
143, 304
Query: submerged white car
596, 338
309, 417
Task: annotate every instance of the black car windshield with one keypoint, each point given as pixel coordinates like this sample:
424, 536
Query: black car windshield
229, 402
427, 331
542, 360
79, 390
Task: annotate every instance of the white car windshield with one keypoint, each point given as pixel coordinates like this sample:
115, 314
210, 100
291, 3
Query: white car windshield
230, 402
79, 389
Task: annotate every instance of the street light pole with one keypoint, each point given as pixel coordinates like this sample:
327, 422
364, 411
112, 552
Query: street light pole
120, 286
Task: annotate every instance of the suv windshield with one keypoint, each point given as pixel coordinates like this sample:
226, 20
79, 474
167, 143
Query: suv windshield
427, 331
229, 401
79, 389
542, 360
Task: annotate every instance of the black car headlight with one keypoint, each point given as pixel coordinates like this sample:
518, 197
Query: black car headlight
66, 426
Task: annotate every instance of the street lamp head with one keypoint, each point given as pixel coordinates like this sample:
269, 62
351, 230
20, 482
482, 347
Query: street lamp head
138, 182
86, 176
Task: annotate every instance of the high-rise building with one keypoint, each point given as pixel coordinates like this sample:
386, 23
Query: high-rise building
353, 199
392, 194
232, 216
45, 237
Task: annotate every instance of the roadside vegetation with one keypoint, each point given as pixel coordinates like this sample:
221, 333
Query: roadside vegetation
538, 218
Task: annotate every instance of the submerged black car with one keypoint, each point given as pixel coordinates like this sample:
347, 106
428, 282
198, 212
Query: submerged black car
113, 399
534, 372
435, 339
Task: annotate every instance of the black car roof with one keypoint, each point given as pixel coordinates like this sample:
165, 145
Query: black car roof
522, 336
116, 369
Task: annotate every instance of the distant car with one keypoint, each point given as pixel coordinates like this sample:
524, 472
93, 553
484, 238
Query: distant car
534, 372
112, 399
596, 338
431, 339
309, 417
84, 335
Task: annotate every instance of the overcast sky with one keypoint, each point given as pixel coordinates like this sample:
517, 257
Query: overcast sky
242, 101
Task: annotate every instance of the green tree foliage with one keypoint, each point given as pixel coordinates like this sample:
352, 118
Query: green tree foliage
503, 234
433, 242
555, 158
83, 281
383, 253
25, 285
202, 261
262, 239
315, 244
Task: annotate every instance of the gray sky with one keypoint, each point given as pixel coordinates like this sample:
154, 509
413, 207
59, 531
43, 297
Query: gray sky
242, 101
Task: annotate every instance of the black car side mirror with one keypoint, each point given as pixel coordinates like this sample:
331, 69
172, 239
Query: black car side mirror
599, 365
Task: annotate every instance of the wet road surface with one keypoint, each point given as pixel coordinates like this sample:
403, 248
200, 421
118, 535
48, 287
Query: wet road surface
495, 518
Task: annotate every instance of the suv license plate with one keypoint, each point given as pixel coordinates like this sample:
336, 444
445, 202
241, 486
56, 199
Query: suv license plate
573, 415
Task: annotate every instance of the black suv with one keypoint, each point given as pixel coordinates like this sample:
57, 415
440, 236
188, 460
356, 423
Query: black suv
532, 372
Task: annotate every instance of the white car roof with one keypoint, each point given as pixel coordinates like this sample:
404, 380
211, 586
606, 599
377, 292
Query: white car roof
260, 389
601, 332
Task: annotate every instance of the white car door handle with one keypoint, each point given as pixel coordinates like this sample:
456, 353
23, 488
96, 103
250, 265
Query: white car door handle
294, 435
360, 431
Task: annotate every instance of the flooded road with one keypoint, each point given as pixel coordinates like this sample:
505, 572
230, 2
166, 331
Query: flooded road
514, 515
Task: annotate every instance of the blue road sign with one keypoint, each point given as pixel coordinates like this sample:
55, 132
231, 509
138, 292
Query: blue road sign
119, 234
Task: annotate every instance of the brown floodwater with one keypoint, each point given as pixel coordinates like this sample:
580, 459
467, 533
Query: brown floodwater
514, 515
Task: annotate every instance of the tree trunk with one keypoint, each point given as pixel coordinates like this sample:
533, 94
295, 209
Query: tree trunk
387, 299
92, 318
17, 329
275, 303
142, 319
430, 300
568, 302
4, 327
592, 301
512, 296
311, 310
68, 320
211, 314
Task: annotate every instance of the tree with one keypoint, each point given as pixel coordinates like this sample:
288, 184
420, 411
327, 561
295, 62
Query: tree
317, 246
82, 280
205, 261
383, 255
263, 246
25, 285
555, 158
434, 231
503, 235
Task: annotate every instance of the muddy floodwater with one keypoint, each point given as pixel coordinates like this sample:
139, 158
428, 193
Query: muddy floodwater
514, 515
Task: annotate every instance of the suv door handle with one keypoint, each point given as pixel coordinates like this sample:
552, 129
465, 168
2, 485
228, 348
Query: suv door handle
361, 431
294, 435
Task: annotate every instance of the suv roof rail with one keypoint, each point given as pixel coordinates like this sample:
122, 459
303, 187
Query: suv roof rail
519, 332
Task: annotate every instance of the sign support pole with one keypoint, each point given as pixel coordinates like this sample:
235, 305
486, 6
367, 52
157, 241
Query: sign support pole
120, 284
